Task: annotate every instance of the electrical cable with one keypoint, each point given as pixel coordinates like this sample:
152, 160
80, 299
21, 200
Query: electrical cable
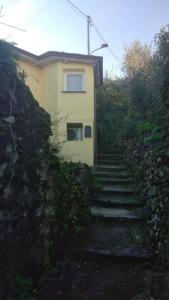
77, 9
12, 26
100, 35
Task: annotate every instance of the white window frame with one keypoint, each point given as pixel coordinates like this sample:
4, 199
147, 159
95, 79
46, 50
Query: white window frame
66, 74
75, 126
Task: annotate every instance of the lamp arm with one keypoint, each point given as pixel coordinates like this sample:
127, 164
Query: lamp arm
101, 47
96, 50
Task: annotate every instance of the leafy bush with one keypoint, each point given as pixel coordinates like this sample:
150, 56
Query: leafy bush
112, 106
148, 146
69, 193
23, 288
147, 127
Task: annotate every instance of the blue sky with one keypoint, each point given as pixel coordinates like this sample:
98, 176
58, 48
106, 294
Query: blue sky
53, 25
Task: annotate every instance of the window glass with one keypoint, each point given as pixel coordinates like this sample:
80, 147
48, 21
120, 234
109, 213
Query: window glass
74, 132
74, 82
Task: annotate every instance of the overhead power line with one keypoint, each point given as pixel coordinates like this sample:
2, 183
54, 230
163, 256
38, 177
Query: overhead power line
77, 9
5, 24
98, 32
102, 38
12, 26
115, 56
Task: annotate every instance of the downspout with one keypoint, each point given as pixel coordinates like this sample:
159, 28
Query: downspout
95, 129
94, 125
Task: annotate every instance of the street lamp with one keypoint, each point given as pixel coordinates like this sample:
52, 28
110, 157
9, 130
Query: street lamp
105, 45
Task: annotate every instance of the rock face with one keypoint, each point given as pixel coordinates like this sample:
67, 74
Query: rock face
24, 133
118, 227
140, 297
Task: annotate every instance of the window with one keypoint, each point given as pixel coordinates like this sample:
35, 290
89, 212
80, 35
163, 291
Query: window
74, 132
74, 81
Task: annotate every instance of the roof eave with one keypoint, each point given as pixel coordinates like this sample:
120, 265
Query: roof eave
53, 56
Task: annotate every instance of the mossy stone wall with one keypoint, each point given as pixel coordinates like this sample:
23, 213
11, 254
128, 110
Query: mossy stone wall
24, 133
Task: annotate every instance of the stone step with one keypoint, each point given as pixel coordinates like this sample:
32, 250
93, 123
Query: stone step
118, 188
116, 201
111, 168
116, 240
115, 180
117, 228
112, 151
129, 252
109, 156
115, 174
116, 213
110, 162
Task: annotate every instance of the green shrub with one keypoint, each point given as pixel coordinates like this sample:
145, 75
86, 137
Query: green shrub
147, 127
69, 194
23, 288
148, 147
111, 109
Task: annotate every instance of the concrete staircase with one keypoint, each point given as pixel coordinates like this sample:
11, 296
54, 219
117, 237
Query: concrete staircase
118, 227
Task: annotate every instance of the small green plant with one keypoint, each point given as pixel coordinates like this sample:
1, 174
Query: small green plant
24, 288
153, 138
147, 127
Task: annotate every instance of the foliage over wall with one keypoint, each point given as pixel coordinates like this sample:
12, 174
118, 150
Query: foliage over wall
112, 106
147, 133
135, 111
41, 198
24, 132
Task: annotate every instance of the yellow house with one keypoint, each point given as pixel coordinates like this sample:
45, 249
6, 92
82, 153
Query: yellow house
64, 84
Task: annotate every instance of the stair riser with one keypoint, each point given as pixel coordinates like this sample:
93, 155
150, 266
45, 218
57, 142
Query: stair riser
113, 176
112, 151
120, 258
117, 219
109, 157
110, 162
111, 170
116, 193
115, 204
116, 188
109, 181
107, 256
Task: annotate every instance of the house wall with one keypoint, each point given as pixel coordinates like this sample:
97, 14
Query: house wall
33, 77
47, 85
